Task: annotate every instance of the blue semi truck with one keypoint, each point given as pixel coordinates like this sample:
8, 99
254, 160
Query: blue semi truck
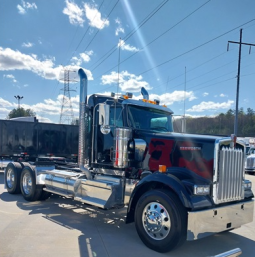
177, 186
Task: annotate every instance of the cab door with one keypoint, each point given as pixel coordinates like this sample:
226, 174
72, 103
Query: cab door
104, 142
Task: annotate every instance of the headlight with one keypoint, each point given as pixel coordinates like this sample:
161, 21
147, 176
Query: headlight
247, 184
201, 190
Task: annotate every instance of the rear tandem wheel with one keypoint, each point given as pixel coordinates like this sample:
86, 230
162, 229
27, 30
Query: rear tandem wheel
12, 177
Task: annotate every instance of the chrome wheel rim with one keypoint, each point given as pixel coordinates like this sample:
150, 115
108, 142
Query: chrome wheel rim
27, 183
10, 177
156, 221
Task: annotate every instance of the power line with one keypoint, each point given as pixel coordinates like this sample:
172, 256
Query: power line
195, 48
162, 34
178, 76
113, 49
85, 33
101, 26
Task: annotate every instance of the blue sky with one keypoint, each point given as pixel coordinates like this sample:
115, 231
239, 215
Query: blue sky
154, 41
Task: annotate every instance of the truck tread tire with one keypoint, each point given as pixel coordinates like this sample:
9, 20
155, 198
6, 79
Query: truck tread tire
12, 177
44, 195
161, 220
29, 189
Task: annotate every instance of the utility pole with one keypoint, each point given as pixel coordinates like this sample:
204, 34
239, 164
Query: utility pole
18, 98
66, 114
238, 76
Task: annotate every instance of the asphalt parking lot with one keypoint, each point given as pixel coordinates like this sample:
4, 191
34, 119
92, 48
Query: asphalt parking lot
63, 227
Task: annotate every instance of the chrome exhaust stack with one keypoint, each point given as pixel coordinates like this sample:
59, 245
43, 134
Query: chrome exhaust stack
82, 119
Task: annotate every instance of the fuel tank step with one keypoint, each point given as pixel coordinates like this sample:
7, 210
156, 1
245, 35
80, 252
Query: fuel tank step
103, 191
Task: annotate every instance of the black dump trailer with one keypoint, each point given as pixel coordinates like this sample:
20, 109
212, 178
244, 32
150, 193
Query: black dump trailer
26, 140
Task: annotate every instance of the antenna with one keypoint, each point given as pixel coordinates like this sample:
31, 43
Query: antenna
118, 83
184, 107
66, 113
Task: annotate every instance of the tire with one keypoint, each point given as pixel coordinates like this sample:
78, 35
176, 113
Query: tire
161, 220
29, 189
12, 177
44, 195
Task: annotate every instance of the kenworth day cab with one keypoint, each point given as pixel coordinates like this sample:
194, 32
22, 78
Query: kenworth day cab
177, 186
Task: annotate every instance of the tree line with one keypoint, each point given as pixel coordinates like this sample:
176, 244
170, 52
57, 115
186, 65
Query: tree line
20, 112
222, 124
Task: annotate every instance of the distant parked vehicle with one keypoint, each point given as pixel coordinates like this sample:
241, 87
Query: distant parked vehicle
250, 161
26, 140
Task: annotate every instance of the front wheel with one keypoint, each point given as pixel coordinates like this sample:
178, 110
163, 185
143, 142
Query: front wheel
161, 220
29, 189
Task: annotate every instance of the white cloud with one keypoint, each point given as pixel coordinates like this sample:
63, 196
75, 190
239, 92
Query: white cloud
25, 6
117, 20
127, 82
210, 106
15, 60
10, 76
176, 117
28, 44
119, 28
43, 119
21, 10
74, 12
49, 107
127, 47
77, 15
4, 103
223, 95
171, 98
205, 94
94, 17
83, 57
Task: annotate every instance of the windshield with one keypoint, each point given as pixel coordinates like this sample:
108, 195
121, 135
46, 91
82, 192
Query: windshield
150, 119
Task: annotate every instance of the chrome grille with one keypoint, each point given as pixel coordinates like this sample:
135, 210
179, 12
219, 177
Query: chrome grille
250, 163
230, 175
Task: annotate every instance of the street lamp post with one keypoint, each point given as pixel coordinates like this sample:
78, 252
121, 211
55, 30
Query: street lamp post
18, 98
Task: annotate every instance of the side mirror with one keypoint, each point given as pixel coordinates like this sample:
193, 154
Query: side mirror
104, 118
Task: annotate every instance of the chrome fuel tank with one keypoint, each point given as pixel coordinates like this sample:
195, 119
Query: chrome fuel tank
120, 152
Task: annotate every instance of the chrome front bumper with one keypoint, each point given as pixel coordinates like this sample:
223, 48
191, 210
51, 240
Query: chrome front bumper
207, 222
250, 170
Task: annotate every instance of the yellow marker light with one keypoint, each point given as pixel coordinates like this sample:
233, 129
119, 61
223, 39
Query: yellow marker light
162, 168
125, 96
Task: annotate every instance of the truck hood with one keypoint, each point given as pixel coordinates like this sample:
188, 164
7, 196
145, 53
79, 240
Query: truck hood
194, 152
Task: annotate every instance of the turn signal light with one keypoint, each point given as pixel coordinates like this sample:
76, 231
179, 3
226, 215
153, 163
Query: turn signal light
162, 168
